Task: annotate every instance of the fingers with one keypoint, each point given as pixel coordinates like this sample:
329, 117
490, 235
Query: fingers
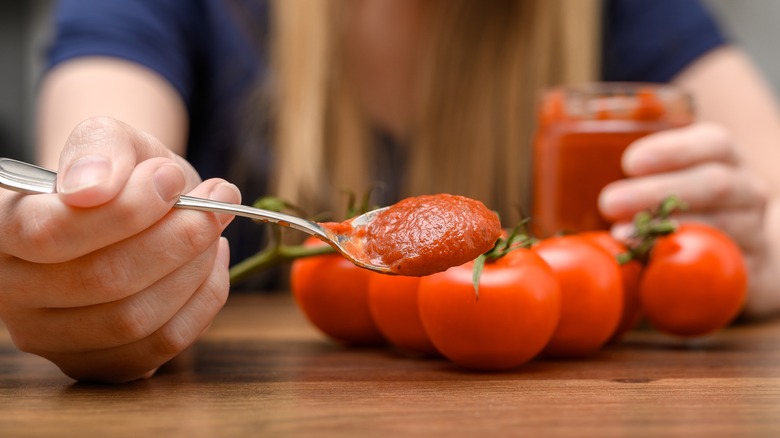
707, 187
104, 163
700, 165
45, 230
714, 193
137, 359
121, 269
677, 149
111, 324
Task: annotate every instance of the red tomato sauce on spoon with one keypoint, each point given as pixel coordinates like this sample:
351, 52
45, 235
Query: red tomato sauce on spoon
426, 234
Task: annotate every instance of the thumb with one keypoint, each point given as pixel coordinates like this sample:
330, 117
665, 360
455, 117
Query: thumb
98, 158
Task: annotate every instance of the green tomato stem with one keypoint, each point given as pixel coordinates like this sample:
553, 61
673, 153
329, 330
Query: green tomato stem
649, 226
274, 255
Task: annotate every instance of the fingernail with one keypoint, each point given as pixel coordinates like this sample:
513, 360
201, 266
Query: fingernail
86, 172
168, 181
225, 192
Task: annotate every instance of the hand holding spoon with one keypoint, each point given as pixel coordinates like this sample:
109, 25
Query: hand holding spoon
418, 236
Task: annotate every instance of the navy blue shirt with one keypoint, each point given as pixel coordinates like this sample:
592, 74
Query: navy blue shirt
214, 52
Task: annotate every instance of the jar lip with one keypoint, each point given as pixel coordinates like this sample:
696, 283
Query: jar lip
621, 87
616, 101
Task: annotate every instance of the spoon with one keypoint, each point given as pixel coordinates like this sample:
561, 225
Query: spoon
31, 179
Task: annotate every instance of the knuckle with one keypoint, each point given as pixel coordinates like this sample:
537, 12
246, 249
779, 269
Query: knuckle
126, 215
41, 237
108, 276
172, 338
197, 235
715, 132
217, 293
93, 129
720, 140
706, 129
130, 323
720, 180
99, 121
184, 328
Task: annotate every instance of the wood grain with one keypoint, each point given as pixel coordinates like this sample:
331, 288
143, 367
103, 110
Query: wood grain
262, 370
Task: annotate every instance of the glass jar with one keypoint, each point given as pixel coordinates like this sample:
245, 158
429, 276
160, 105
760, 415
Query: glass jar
581, 134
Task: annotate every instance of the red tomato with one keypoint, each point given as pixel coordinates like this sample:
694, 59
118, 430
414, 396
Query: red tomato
392, 300
333, 294
509, 324
695, 281
630, 273
591, 295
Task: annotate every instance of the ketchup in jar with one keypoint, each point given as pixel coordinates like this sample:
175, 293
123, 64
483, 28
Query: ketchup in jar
581, 134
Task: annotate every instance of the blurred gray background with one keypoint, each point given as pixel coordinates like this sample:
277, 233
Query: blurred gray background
755, 24
23, 29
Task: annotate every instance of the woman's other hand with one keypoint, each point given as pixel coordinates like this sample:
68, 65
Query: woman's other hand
701, 165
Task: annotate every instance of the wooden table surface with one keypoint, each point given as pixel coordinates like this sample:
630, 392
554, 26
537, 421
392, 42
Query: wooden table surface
262, 370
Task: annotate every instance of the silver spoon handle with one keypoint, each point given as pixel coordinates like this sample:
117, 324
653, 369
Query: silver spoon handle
31, 179
285, 220
26, 178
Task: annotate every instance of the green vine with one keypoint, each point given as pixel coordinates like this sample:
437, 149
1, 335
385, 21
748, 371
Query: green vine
649, 226
274, 254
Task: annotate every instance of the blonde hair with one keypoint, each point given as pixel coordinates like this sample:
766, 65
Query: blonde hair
485, 64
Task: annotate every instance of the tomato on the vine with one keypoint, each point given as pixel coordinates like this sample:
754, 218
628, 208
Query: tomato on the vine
591, 295
392, 300
631, 271
505, 325
695, 281
333, 294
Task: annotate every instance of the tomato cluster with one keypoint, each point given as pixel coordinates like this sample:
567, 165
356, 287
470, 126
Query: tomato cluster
561, 297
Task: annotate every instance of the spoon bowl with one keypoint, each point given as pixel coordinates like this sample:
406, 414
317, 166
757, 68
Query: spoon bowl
31, 179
